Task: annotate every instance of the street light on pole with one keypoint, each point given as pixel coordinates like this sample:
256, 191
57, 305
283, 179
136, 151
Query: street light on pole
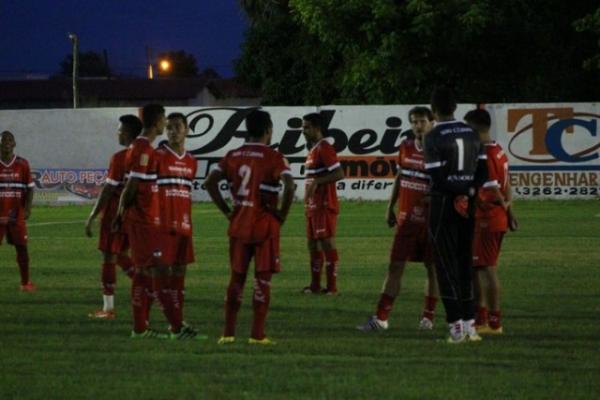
75, 40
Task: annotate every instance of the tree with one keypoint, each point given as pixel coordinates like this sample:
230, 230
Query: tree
392, 51
182, 64
591, 24
91, 64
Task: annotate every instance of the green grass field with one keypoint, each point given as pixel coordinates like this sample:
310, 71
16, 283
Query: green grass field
550, 271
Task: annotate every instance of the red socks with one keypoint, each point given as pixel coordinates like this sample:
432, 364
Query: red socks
482, 316
162, 293
495, 320
23, 262
331, 259
177, 295
139, 302
109, 278
316, 265
384, 307
260, 303
429, 307
233, 302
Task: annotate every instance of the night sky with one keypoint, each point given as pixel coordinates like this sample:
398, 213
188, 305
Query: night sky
34, 33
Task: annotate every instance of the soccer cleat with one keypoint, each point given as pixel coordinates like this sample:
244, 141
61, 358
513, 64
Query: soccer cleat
187, 333
329, 292
488, 330
226, 340
28, 287
470, 331
149, 334
101, 314
310, 290
457, 333
425, 324
263, 342
373, 324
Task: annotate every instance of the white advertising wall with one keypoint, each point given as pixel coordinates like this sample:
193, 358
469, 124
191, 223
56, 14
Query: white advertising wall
553, 148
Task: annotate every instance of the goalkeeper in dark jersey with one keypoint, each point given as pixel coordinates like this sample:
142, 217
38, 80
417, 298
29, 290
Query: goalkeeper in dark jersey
455, 159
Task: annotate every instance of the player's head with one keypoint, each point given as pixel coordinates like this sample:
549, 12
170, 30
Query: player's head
153, 117
421, 120
7, 143
130, 127
177, 129
312, 127
259, 126
443, 102
479, 120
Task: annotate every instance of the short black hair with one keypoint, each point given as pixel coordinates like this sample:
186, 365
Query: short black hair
132, 124
443, 101
7, 133
315, 119
479, 117
258, 123
421, 111
180, 116
151, 114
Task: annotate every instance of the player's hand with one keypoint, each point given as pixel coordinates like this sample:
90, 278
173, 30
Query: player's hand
278, 216
27, 213
513, 224
311, 189
116, 224
88, 227
390, 218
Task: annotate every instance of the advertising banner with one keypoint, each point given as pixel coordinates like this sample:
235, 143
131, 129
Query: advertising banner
553, 149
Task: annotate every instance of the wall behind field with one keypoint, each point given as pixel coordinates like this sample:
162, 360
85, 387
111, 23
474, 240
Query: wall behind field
553, 148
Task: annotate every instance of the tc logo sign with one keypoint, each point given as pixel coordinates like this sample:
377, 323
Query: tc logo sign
557, 135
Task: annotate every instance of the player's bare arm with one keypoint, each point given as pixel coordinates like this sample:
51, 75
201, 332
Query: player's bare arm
287, 197
212, 187
105, 195
390, 215
125, 201
28, 202
333, 176
513, 224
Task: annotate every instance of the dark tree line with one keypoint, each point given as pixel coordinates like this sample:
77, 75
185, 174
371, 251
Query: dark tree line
394, 51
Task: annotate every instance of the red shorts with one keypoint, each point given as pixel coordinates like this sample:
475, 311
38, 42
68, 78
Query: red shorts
147, 245
16, 234
486, 248
411, 245
178, 250
321, 224
266, 255
112, 242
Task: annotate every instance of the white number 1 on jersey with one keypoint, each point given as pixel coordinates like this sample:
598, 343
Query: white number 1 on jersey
461, 153
244, 172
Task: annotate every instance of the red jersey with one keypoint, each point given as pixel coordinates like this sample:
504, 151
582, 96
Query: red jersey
497, 163
413, 186
175, 181
253, 172
116, 178
15, 180
321, 160
141, 164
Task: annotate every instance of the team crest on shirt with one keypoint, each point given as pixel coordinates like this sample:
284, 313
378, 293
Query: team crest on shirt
144, 159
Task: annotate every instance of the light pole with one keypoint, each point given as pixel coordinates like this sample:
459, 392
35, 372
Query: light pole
75, 40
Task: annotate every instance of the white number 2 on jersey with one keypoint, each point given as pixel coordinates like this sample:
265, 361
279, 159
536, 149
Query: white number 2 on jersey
461, 153
244, 172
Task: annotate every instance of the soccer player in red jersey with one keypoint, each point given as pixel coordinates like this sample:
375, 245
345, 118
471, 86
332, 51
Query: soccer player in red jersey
493, 217
16, 196
254, 171
410, 241
176, 170
113, 245
322, 170
139, 212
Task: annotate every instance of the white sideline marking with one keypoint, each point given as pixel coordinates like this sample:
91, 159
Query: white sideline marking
57, 223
